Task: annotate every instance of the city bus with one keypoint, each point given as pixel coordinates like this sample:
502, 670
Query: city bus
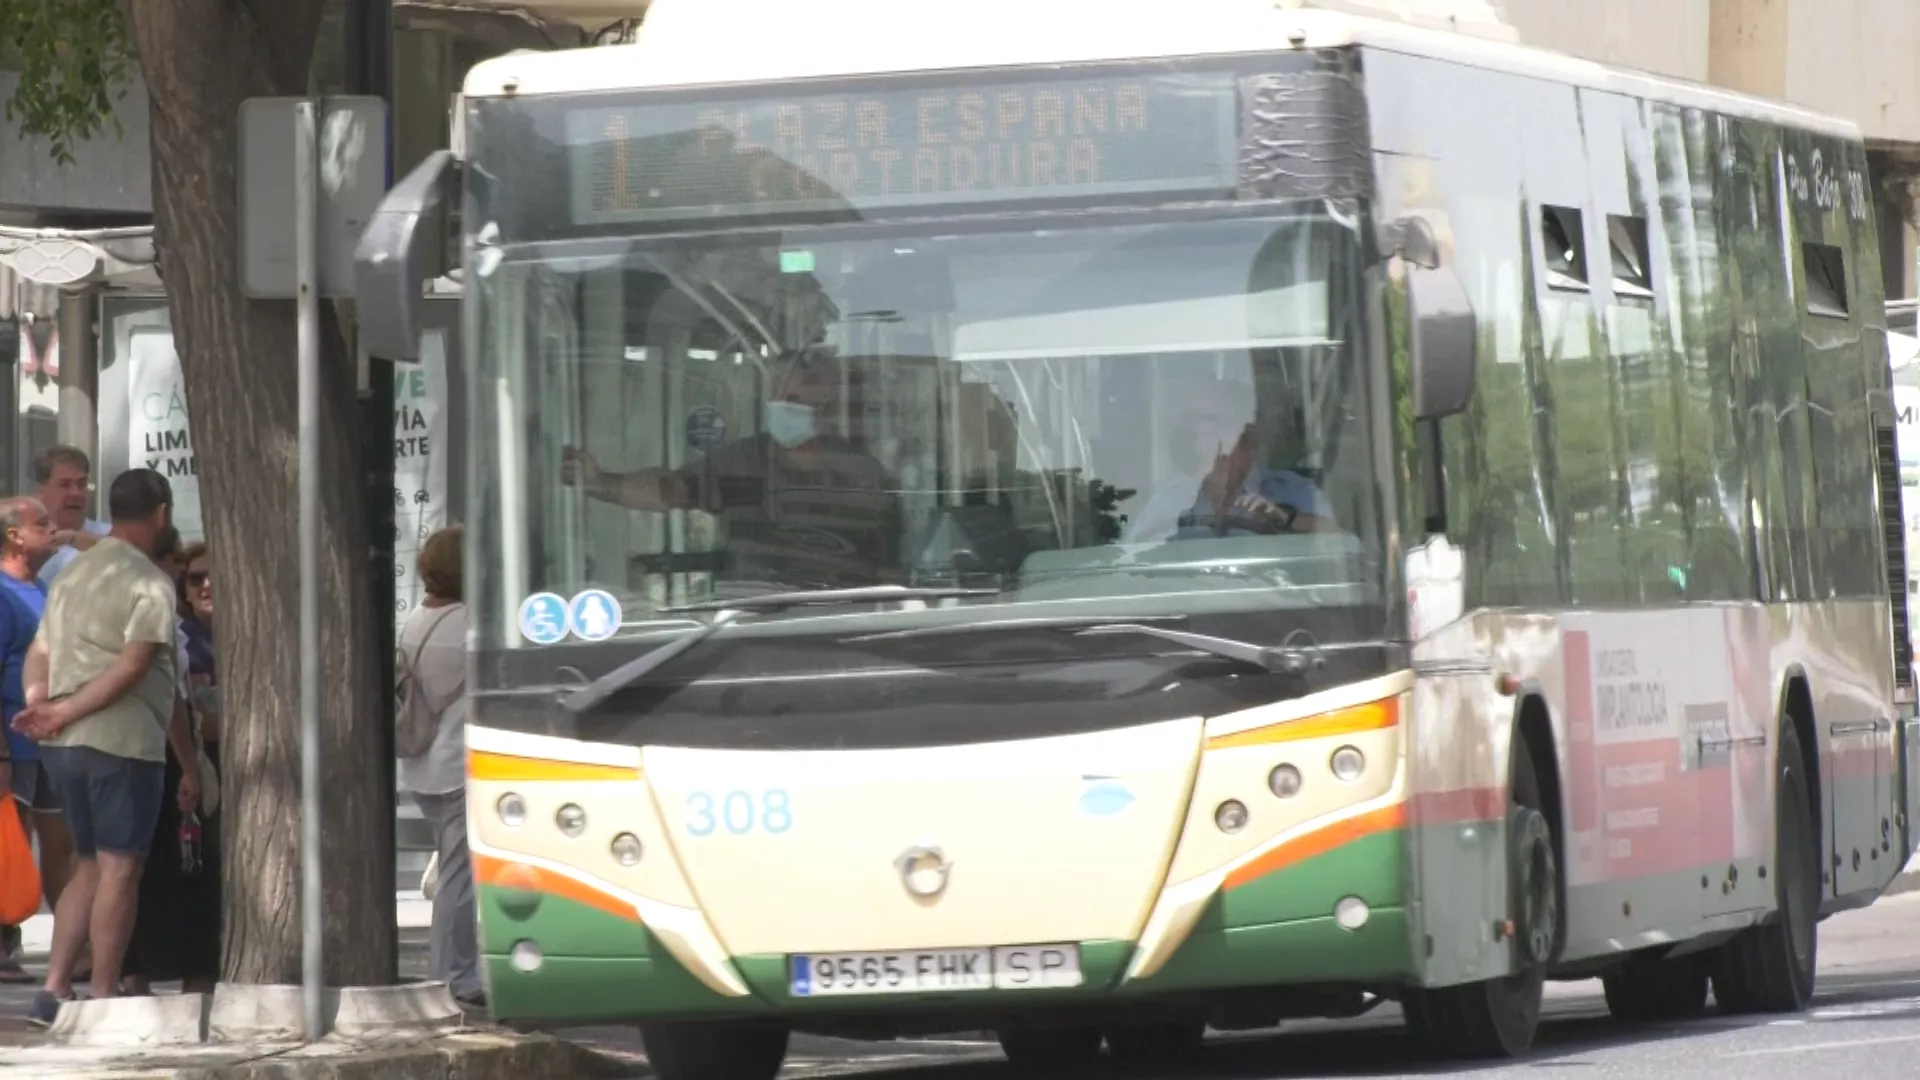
1099, 521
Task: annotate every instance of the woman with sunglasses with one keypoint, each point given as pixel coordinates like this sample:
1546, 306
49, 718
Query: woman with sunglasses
177, 932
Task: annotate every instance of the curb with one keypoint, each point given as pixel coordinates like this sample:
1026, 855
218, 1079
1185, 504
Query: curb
464, 1056
452, 1057
1902, 884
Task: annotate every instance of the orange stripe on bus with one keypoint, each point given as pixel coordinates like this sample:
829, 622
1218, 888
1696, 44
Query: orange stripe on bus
1372, 716
482, 765
506, 874
1319, 842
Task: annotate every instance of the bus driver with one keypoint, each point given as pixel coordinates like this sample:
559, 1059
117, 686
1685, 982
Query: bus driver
802, 507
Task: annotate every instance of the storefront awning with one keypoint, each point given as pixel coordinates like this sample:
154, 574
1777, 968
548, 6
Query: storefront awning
67, 258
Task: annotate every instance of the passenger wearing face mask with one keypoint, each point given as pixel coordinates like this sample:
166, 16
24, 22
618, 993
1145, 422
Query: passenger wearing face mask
801, 506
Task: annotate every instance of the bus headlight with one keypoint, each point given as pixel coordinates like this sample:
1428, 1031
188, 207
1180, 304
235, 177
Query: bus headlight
1347, 764
626, 849
571, 819
512, 810
1231, 816
525, 956
1285, 781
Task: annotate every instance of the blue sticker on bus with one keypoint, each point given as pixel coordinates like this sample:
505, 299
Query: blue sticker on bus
594, 615
1104, 796
706, 429
543, 618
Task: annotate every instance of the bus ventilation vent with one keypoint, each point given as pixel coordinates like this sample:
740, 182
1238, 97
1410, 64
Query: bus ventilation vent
1894, 526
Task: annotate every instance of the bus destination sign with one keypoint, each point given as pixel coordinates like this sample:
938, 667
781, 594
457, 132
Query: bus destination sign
858, 151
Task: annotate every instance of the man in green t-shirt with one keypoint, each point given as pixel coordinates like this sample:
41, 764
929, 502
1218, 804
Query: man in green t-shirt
100, 692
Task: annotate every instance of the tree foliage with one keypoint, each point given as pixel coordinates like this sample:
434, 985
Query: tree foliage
74, 57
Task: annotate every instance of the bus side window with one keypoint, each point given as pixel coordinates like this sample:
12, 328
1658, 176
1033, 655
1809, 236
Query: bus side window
1826, 273
1563, 239
1632, 258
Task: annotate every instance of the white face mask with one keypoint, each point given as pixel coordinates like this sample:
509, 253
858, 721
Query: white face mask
789, 422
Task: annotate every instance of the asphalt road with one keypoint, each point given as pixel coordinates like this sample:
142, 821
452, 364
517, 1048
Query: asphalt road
1865, 1025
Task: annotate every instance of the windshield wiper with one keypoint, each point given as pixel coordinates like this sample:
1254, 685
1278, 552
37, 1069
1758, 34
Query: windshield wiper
1284, 659
865, 594
604, 687
1027, 622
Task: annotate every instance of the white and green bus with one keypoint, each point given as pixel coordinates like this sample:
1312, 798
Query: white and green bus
1097, 520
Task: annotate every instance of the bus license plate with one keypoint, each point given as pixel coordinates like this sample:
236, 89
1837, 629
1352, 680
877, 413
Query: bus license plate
932, 971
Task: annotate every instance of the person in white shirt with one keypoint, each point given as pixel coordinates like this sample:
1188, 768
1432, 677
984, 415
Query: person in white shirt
435, 636
64, 474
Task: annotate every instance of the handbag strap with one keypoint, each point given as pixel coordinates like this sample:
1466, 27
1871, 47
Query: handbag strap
413, 662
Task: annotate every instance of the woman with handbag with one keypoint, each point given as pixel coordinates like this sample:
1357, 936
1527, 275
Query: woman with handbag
431, 720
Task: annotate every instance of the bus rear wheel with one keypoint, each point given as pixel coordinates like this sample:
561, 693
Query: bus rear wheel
1650, 990
718, 1051
1498, 1017
1770, 968
1051, 1052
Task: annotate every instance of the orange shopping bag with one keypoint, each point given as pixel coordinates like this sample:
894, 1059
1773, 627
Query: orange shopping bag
19, 877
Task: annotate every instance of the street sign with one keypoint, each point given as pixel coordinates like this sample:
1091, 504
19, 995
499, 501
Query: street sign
353, 167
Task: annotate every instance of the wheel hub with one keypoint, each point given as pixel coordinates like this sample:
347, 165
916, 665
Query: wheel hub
1538, 896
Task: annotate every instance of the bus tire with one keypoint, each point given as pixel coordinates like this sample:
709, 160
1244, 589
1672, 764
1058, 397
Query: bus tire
1770, 968
1153, 1047
1498, 1017
1652, 989
714, 1051
1051, 1052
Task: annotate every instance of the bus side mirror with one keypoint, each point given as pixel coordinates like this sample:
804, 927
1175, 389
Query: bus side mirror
1443, 333
390, 261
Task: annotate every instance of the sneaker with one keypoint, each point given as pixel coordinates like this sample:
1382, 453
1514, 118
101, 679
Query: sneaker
45, 1009
12, 974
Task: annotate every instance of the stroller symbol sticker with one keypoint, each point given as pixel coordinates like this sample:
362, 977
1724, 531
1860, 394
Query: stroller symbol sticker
594, 615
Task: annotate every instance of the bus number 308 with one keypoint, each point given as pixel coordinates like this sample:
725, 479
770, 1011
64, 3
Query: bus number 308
738, 812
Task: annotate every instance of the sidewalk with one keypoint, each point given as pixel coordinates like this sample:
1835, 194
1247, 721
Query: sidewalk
412, 911
478, 1050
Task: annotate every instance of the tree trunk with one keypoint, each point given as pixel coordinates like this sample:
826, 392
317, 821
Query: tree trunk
200, 59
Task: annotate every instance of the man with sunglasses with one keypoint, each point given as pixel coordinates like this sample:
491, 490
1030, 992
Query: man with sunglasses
803, 507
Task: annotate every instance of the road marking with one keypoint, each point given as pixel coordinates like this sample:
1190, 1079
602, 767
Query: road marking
1809, 1047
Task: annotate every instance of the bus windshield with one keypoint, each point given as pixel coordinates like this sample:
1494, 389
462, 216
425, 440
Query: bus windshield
1087, 418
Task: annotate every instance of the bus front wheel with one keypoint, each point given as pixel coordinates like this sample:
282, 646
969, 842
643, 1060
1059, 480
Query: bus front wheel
1498, 1017
717, 1051
1150, 1048
1051, 1052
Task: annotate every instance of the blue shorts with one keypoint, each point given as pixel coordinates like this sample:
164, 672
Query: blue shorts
111, 803
32, 787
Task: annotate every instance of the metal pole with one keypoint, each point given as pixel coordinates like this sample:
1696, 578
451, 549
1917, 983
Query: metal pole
306, 202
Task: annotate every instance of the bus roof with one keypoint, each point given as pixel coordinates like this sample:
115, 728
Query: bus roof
687, 43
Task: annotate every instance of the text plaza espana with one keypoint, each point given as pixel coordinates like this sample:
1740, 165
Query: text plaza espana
934, 143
